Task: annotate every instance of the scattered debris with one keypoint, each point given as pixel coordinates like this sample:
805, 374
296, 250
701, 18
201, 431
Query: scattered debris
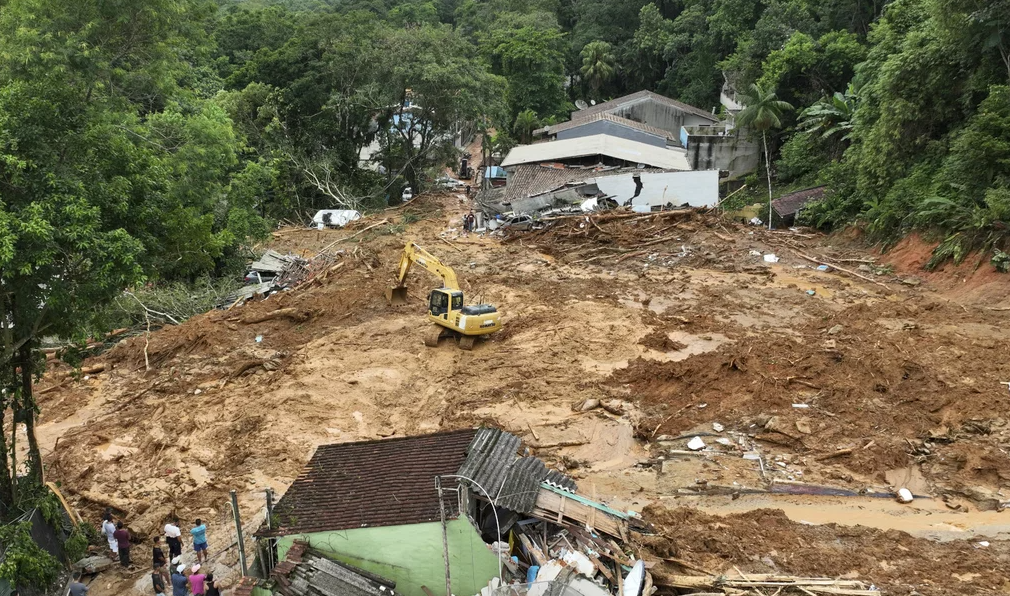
696, 444
905, 495
337, 218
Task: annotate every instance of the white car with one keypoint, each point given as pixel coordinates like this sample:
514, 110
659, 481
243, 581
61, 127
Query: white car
407, 194
448, 183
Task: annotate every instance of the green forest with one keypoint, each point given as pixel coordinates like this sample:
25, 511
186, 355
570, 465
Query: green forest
151, 141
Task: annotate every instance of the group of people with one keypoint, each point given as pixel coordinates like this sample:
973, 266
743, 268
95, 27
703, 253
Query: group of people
182, 580
469, 222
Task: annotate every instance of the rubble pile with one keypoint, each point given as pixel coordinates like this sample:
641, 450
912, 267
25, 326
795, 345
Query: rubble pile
901, 385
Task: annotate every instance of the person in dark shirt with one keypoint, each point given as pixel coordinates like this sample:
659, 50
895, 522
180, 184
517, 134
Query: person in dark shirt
211, 587
122, 536
76, 587
180, 583
158, 555
158, 580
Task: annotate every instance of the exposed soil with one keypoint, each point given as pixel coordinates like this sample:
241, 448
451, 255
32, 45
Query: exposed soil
798, 381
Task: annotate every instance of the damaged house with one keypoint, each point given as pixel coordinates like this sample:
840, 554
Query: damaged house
367, 518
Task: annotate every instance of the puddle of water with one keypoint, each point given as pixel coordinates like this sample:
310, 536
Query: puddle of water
910, 478
657, 304
199, 474
693, 345
924, 518
110, 451
807, 281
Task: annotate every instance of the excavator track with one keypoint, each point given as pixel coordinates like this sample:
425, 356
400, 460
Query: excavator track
466, 342
432, 337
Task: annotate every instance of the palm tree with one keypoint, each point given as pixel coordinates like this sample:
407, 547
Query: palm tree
763, 112
526, 122
598, 64
832, 116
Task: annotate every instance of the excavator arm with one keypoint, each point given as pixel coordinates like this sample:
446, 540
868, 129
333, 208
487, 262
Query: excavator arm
412, 253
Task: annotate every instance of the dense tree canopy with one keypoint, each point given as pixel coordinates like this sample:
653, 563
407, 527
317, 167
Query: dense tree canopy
152, 140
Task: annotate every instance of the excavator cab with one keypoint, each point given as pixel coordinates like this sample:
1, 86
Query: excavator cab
439, 302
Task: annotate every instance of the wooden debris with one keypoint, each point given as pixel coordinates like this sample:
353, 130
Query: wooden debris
835, 454
687, 565
295, 314
842, 269
815, 585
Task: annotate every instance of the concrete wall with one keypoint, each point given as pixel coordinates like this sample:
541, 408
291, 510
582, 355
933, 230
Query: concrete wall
698, 189
607, 127
410, 555
736, 154
660, 115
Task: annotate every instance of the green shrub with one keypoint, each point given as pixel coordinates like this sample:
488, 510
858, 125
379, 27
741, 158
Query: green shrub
25, 563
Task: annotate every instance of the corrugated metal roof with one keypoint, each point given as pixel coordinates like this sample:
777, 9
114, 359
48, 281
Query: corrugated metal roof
659, 132
304, 572
607, 145
388, 482
489, 457
513, 482
614, 104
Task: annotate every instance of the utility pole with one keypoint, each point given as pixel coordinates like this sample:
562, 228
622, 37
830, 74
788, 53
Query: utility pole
445, 535
238, 530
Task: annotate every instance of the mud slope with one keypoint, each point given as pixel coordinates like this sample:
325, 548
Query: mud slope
676, 320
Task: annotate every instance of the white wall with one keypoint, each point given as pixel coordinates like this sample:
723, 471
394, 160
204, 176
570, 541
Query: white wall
698, 189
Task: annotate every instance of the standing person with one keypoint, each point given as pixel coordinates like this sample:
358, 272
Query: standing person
76, 587
173, 536
158, 555
123, 538
180, 585
199, 533
471, 222
197, 581
109, 529
211, 588
158, 580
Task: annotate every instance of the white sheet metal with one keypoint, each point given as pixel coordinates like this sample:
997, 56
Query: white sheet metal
697, 189
335, 217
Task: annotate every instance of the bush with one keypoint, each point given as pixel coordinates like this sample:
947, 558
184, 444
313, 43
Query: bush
24, 562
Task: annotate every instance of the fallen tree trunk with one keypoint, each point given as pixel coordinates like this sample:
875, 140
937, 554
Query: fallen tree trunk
295, 314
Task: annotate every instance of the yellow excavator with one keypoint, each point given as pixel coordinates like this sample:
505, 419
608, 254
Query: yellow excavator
445, 304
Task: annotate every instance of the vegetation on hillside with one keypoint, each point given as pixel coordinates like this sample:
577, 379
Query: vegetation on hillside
151, 141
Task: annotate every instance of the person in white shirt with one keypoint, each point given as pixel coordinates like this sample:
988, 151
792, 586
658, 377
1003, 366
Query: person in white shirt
173, 537
109, 528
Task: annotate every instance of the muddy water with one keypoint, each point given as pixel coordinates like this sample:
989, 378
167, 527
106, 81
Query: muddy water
925, 518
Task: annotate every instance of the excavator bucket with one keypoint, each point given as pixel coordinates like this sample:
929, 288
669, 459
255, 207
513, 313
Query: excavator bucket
396, 295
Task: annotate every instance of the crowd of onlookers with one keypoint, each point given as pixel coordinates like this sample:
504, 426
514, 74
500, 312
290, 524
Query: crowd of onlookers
168, 572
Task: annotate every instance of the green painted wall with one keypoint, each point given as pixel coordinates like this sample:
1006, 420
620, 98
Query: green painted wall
410, 555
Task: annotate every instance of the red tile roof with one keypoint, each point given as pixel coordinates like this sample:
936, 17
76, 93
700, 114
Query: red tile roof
793, 202
387, 482
245, 586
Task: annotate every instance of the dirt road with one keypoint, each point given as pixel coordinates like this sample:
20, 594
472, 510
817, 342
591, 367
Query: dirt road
820, 383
